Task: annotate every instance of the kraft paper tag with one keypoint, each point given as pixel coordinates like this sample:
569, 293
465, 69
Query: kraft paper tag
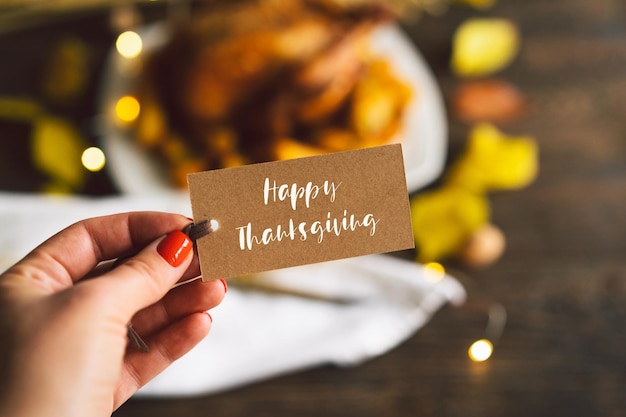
280, 214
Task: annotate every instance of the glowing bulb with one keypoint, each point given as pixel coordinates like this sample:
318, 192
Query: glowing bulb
480, 350
434, 272
93, 159
129, 44
127, 109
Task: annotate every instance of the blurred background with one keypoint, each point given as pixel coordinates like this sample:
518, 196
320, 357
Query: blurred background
523, 201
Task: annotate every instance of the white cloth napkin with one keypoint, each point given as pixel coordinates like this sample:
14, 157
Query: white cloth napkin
342, 312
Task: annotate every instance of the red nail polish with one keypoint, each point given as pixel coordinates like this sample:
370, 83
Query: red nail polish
175, 248
224, 284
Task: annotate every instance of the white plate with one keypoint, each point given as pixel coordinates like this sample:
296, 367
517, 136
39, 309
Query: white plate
423, 134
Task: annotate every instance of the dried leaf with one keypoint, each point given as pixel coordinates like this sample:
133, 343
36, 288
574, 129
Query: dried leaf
444, 219
495, 161
482, 46
490, 100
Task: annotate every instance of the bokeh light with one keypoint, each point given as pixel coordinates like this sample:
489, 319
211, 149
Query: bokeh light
127, 109
129, 44
480, 350
93, 159
434, 272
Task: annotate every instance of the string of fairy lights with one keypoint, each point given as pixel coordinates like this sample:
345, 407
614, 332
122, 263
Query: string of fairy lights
481, 349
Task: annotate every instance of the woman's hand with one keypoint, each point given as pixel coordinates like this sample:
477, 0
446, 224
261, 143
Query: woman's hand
64, 314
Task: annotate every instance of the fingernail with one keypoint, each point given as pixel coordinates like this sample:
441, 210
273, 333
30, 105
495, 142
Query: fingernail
175, 248
210, 317
224, 284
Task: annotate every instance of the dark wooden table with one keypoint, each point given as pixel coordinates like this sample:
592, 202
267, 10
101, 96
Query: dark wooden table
562, 278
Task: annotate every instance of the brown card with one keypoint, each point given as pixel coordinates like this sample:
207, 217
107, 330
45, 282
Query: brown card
286, 213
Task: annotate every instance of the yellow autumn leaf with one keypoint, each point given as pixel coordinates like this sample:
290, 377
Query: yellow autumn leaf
56, 150
444, 219
482, 46
495, 161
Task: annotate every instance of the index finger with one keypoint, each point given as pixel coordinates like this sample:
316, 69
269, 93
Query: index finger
70, 254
